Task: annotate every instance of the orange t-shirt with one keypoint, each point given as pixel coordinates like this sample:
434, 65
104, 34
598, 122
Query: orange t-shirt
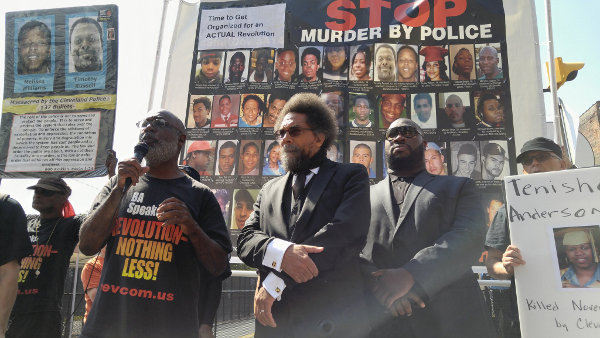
91, 272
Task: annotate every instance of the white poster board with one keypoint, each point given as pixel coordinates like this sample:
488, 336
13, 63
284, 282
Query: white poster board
542, 209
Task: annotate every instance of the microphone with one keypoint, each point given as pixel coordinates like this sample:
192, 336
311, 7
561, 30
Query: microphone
139, 151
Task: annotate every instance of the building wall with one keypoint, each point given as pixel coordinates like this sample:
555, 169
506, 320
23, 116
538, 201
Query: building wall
589, 126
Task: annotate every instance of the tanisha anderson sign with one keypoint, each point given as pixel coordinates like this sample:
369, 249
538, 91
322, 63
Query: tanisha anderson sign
555, 222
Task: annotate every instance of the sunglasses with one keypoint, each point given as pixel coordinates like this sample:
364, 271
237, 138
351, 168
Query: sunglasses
157, 123
44, 192
541, 157
405, 131
292, 131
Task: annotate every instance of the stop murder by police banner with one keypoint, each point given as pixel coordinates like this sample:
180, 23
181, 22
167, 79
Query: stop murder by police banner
443, 64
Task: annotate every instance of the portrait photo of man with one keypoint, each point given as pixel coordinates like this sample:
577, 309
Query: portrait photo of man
285, 65
225, 114
261, 65
86, 45
465, 159
237, 66
310, 64
363, 153
490, 109
200, 155
209, 67
199, 112
275, 102
489, 62
422, 110
34, 45
408, 64
360, 116
435, 160
391, 108
454, 106
243, 200
385, 62
494, 162
226, 157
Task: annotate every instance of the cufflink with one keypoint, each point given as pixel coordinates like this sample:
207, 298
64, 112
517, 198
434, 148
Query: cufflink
274, 264
277, 290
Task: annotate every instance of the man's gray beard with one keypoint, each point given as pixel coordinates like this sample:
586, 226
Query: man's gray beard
160, 153
412, 160
294, 164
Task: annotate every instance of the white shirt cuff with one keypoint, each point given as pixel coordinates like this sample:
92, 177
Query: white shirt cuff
274, 285
274, 254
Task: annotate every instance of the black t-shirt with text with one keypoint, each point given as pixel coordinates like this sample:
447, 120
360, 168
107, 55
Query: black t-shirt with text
14, 242
53, 245
151, 277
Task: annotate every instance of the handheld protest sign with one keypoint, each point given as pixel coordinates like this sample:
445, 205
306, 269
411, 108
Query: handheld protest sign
554, 220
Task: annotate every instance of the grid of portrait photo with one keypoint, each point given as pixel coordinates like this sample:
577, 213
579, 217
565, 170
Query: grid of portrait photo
457, 93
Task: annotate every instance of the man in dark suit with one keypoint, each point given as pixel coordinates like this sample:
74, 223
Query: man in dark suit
306, 232
426, 231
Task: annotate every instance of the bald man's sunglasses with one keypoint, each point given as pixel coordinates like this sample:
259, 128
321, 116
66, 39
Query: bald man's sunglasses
404, 131
157, 123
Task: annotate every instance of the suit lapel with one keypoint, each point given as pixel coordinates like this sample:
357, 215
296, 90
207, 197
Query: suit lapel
279, 221
384, 194
411, 195
318, 184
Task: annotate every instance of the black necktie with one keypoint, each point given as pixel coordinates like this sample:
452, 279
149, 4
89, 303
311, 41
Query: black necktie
297, 190
298, 186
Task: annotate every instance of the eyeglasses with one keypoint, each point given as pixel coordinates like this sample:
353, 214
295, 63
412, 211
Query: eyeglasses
44, 192
157, 123
541, 157
405, 131
292, 131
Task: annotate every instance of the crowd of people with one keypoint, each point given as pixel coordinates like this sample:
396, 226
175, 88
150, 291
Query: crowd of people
327, 266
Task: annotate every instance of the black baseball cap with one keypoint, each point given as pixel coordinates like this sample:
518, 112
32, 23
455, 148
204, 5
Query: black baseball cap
53, 184
539, 144
493, 149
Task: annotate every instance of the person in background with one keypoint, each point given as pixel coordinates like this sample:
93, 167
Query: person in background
54, 234
537, 155
14, 246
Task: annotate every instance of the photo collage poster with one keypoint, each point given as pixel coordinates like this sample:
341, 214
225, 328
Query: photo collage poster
446, 69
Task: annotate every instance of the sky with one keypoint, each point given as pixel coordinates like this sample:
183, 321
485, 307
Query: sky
574, 41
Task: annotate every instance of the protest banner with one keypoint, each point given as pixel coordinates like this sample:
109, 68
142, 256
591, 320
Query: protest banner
59, 92
368, 61
554, 220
